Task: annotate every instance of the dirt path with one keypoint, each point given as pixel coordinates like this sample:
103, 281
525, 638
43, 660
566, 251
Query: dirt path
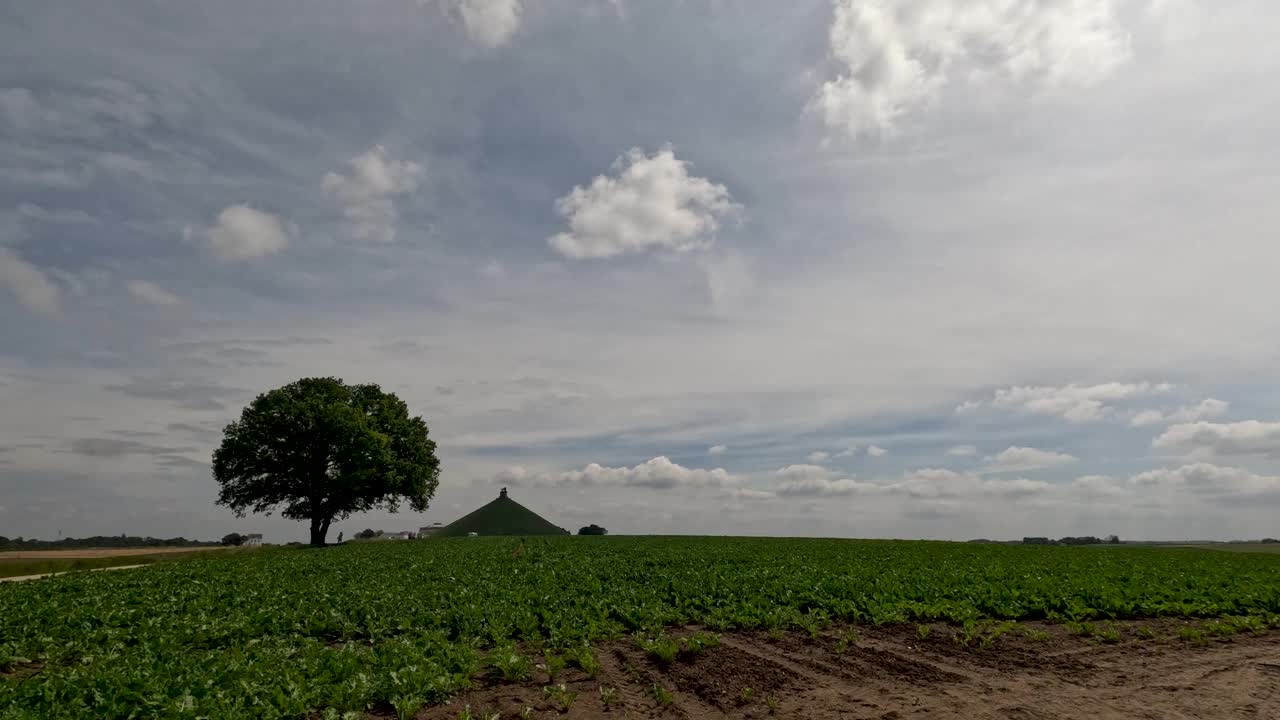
83, 553
45, 575
891, 674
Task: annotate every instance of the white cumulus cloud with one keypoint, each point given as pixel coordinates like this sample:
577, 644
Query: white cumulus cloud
1073, 403
1250, 437
368, 190
1209, 408
895, 56
1220, 484
489, 23
819, 456
27, 283
651, 203
962, 451
659, 473
149, 292
717, 449
817, 481
876, 451
1015, 459
243, 233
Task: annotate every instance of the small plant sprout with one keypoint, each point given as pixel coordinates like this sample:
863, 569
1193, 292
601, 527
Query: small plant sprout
775, 634
526, 713
1192, 635
661, 694
562, 696
608, 696
700, 641
1110, 636
406, 706
922, 632
1144, 632
744, 697
552, 667
772, 702
1035, 635
586, 659
662, 648
509, 664
464, 714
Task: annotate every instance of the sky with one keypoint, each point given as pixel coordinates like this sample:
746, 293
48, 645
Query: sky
860, 268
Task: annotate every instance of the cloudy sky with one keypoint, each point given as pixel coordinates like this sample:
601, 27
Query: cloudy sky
866, 268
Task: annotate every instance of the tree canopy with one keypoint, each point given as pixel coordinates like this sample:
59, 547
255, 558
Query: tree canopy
319, 449
592, 529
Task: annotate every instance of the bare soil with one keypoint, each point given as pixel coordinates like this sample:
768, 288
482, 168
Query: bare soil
1040, 672
83, 553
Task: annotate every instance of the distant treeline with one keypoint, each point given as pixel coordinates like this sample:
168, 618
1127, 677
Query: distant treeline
99, 541
1084, 540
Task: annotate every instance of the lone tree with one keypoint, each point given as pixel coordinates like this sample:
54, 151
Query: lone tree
592, 529
321, 449
235, 539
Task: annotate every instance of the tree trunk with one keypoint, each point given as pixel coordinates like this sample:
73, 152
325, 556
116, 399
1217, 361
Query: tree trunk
319, 530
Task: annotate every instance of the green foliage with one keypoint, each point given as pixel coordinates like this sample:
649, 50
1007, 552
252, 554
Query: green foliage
586, 659
1110, 635
561, 696
922, 632
696, 643
608, 696
552, 667
509, 664
663, 648
319, 449
321, 633
1192, 635
661, 694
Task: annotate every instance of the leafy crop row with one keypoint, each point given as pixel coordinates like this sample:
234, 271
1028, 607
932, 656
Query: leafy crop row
292, 633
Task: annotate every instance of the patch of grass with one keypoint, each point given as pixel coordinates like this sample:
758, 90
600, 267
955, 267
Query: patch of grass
561, 696
1035, 635
1082, 629
1110, 635
661, 694
505, 662
663, 648
407, 706
552, 666
586, 660
700, 641
608, 696
846, 641
1193, 636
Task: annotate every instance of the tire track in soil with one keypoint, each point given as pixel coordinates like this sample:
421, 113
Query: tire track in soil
891, 674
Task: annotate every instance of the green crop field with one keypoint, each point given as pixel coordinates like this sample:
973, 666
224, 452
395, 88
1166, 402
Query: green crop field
323, 632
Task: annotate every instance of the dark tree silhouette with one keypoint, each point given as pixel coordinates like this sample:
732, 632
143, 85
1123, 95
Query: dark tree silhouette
320, 450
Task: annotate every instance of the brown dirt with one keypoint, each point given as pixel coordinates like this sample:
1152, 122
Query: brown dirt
890, 673
83, 553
